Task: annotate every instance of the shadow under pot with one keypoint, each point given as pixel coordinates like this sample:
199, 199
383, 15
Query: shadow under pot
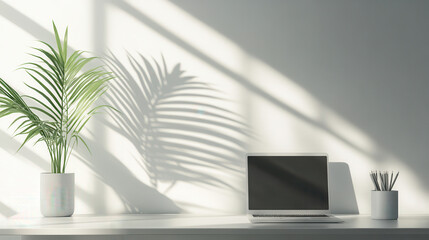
57, 194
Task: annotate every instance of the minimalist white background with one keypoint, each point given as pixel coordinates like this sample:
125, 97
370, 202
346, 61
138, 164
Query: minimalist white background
349, 78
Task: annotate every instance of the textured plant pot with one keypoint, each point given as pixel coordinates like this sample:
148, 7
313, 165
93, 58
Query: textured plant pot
384, 205
57, 194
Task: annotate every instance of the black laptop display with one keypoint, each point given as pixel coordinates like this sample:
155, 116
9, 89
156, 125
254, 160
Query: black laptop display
288, 183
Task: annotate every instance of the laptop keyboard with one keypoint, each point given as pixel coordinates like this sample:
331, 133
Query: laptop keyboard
291, 215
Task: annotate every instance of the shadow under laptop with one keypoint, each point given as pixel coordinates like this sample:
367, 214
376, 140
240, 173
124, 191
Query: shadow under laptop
341, 189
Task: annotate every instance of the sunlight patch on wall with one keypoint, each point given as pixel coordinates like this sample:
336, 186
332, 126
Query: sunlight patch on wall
64, 13
192, 31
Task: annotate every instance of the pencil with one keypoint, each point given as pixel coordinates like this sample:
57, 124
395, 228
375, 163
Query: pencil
391, 187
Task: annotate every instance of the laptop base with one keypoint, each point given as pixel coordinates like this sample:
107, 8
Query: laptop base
325, 218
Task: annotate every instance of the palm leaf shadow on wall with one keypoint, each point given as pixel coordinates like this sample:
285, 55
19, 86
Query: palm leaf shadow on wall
178, 126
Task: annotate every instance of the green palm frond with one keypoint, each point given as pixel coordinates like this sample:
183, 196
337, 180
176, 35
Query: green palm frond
64, 95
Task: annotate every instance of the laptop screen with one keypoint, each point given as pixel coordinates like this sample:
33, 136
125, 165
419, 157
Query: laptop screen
288, 182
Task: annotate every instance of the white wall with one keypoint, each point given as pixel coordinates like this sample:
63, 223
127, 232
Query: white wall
344, 77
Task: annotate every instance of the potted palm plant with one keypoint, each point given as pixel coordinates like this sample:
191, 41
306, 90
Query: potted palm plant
64, 98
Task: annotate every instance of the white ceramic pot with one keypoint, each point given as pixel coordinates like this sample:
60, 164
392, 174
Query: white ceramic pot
57, 194
384, 205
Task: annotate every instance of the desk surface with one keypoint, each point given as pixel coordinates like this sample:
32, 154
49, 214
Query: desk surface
206, 225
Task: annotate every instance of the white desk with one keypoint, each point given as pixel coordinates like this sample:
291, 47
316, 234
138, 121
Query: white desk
192, 227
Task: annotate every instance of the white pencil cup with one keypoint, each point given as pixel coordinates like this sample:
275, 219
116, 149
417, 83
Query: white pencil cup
384, 205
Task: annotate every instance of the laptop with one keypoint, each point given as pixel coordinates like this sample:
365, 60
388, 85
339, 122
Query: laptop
288, 188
